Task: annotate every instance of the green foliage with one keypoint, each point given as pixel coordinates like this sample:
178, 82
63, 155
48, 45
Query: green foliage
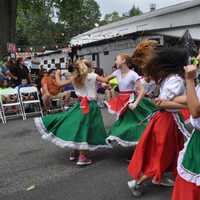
115, 16
135, 11
111, 17
78, 16
35, 25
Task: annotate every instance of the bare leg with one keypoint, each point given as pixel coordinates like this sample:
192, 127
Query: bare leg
46, 101
66, 98
143, 179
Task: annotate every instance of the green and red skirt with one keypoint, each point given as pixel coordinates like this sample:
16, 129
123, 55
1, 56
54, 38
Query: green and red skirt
159, 146
118, 104
130, 125
187, 184
79, 128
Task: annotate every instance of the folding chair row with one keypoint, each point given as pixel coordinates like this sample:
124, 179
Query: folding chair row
20, 102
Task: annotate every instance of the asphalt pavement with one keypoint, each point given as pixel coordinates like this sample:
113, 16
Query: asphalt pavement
33, 169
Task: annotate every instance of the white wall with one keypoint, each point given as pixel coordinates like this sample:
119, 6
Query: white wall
107, 61
114, 48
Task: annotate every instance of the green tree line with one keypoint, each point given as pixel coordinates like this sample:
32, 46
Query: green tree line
53, 22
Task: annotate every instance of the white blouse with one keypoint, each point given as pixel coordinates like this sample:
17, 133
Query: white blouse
172, 87
126, 83
89, 88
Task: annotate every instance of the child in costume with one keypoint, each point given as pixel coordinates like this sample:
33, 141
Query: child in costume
187, 185
81, 127
150, 87
128, 105
159, 146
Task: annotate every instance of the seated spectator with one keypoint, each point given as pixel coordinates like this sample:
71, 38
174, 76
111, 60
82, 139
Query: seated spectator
5, 73
21, 72
26, 97
69, 88
70, 70
51, 90
5, 87
101, 87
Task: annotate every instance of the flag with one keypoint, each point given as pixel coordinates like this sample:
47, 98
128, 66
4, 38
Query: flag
188, 43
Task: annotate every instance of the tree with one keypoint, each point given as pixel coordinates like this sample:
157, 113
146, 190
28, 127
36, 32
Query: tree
115, 16
34, 22
111, 17
135, 11
7, 23
36, 27
78, 16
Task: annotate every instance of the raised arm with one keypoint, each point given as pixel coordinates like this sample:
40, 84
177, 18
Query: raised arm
192, 98
141, 93
104, 79
62, 82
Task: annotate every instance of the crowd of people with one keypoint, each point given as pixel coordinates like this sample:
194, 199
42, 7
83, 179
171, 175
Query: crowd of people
155, 96
15, 74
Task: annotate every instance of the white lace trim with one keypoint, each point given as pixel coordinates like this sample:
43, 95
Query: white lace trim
185, 173
121, 142
65, 144
180, 125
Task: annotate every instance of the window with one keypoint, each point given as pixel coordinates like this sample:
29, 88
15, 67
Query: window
105, 53
93, 57
62, 60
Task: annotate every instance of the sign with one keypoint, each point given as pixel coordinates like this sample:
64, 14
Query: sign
11, 48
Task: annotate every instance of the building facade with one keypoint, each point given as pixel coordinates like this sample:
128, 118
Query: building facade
166, 25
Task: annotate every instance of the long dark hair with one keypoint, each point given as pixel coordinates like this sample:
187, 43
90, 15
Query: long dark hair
166, 61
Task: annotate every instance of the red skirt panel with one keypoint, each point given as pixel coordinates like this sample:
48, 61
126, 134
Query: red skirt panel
119, 103
186, 114
158, 149
184, 190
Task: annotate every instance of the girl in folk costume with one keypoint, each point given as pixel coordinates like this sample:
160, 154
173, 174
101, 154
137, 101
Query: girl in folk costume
159, 146
140, 56
81, 127
187, 185
130, 107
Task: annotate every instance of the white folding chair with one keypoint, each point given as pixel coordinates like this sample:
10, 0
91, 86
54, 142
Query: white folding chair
59, 105
1, 115
6, 105
31, 91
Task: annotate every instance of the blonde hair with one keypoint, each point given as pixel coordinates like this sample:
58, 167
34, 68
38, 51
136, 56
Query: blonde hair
81, 72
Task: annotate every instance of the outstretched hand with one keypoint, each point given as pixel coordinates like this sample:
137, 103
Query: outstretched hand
157, 101
132, 106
